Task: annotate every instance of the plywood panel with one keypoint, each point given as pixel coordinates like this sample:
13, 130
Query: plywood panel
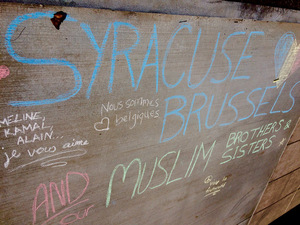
279, 188
129, 118
271, 213
245, 222
296, 134
295, 200
288, 162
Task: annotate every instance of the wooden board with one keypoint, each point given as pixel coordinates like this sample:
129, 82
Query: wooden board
284, 182
131, 118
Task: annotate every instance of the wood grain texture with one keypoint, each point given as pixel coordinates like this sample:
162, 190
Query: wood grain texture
280, 188
295, 200
296, 134
271, 213
283, 182
288, 161
131, 118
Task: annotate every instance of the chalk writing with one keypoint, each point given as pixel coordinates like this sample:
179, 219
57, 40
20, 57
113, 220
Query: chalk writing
61, 62
36, 137
158, 164
215, 186
204, 95
285, 55
282, 48
144, 102
13, 126
281, 51
180, 103
129, 103
132, 118
44, 205
238, 146
287, 126
41, 150
76, 216
136, 118
282, 141
108, 107
102, 126
54, 160
14, 154
75, 143
35, 129
16, 118
25, 128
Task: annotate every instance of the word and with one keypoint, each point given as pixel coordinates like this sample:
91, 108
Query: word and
44, 203
159, 164
215, 186
238, 148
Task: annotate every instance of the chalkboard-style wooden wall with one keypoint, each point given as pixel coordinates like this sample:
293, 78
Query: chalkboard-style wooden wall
127, 118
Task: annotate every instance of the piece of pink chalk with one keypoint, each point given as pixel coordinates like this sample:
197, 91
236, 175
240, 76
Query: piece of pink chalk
4, 71
296, 63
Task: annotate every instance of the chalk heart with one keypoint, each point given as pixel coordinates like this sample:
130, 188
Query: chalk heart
4, 71
286, 57
282, 50
103, 125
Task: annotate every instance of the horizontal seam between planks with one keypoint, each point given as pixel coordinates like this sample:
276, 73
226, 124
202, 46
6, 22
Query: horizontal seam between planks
294, 192
290, 143
283, 175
